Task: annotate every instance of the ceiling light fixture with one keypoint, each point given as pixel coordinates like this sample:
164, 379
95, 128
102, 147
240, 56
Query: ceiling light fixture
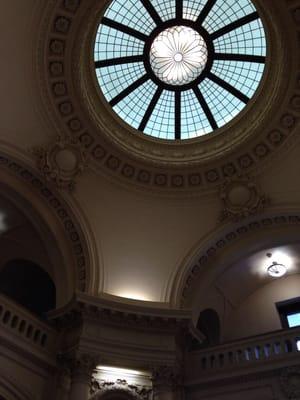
276, 270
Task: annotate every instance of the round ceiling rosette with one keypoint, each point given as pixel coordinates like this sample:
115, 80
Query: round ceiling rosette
178, 55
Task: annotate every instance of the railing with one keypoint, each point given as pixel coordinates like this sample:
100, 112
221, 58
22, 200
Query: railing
15, 319
280, 345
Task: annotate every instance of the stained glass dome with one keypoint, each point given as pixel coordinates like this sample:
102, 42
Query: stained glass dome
179, 69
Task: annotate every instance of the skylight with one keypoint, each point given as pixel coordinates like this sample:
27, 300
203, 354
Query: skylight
179, 69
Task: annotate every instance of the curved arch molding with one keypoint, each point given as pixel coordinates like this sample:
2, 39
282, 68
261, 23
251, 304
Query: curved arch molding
72, 230
184, 284
206, 164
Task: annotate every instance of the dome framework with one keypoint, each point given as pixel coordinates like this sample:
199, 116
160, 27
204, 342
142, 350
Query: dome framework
236, 53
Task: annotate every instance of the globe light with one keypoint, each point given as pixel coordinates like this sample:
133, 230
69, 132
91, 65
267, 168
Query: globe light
276, 270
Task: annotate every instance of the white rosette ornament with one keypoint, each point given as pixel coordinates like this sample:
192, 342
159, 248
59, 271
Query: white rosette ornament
178, 55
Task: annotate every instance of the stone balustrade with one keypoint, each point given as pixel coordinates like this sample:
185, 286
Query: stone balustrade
282, 346
16, 320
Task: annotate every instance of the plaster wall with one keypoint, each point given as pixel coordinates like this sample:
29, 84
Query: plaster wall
257, 314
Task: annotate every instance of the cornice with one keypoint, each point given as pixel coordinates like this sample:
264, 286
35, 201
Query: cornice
268, 126
109, 312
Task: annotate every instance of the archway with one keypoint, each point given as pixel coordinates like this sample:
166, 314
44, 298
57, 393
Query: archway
29, 285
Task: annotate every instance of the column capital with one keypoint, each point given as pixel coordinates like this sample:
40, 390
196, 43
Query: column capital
167, 376
80, 365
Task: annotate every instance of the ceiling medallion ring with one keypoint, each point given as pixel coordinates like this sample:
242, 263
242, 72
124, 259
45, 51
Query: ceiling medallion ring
77, 98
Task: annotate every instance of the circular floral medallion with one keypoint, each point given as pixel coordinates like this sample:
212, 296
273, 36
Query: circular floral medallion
178, 55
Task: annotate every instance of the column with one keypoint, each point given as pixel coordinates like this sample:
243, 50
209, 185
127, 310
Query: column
167, 383
81, 375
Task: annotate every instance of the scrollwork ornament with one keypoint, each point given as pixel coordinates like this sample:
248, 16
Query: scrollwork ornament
101, 387
290, 382
61, 162
241, 197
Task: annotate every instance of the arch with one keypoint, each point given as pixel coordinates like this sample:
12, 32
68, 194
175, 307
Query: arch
119, 394
209, 324
228, 243
29, 285
54, 220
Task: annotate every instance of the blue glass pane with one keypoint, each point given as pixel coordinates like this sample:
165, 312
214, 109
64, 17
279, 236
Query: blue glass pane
131, 13
226, 11
223, 105
192, 8
293, 320
162, 121
244, 76
193, 119
111, 43
248, 39
132, 109
116, 78
166, 9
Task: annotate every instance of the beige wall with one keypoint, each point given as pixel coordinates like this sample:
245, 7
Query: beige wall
257, 313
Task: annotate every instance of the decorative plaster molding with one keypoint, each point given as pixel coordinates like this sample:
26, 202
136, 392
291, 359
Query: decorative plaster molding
133, 158
119, 314
99, 388
241, 197
80, 366
64, 215
290, 382
226, 239
166, 375
61, 162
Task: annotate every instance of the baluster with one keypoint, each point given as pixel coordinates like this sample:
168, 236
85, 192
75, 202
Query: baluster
240, 356
267, 350
221, 360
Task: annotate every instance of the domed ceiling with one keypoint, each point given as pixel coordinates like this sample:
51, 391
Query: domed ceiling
243, 52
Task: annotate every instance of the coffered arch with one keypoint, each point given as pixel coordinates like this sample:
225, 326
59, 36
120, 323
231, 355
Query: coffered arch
228, 244
61, 227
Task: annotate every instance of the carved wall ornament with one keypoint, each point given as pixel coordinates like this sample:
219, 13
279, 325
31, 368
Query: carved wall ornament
99, 388
241, 197
61, 162
290, 382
